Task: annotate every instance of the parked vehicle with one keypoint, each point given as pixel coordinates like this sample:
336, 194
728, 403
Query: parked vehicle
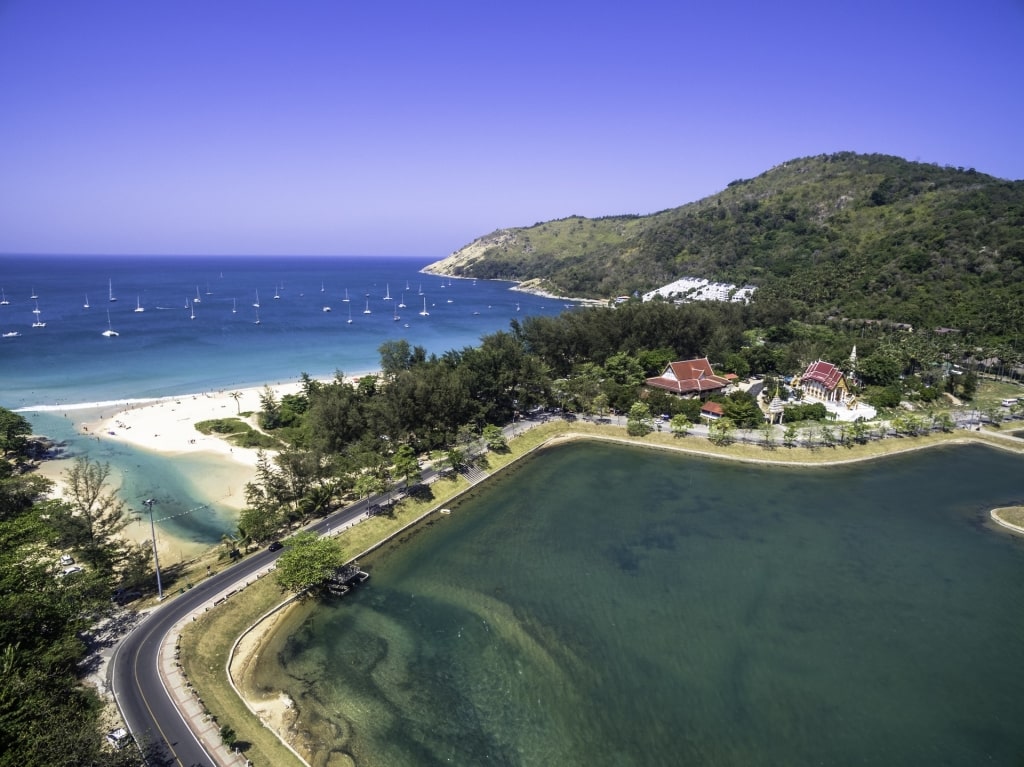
118, 738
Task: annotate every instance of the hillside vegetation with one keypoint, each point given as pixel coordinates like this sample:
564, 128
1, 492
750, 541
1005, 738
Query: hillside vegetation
845, 235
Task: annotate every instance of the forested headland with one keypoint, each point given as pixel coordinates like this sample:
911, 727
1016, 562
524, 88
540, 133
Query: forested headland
848, 237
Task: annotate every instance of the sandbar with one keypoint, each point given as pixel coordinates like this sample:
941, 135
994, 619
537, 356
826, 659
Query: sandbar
166, 427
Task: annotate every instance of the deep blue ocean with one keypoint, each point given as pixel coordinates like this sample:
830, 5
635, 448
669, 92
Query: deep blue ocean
198, 331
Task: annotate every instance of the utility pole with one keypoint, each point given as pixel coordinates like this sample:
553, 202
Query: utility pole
148, 503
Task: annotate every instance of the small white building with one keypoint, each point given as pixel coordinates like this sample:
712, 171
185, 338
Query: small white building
699, 289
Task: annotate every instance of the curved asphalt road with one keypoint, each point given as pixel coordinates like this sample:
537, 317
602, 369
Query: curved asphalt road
133, 673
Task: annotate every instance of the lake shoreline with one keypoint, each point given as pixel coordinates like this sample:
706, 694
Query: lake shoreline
278, 712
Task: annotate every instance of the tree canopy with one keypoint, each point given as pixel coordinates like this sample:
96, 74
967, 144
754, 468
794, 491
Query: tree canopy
307, 561
46, 715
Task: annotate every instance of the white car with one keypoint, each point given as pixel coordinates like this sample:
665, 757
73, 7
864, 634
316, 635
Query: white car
66, 560
117, 738
71, 570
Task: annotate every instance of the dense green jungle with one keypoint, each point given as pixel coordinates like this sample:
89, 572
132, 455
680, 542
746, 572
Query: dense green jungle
845, 236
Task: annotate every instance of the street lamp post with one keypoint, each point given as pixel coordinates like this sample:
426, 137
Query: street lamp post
148, 503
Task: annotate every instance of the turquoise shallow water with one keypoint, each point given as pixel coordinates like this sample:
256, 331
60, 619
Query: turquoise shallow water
611, 606
162, 351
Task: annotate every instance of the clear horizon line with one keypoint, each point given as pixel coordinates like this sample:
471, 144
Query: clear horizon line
215, 255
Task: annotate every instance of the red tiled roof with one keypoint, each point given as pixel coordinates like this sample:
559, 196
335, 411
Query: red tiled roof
688, 376
712, 408
825, 373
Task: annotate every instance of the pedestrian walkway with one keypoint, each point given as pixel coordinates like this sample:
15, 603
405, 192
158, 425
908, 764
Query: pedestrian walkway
184, 695
474, 474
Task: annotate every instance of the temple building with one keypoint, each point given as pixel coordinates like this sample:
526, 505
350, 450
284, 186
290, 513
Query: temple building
690, 378
824, 382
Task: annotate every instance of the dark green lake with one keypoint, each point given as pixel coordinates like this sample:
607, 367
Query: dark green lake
605, 605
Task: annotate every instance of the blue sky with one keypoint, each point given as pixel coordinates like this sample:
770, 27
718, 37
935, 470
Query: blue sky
411, 128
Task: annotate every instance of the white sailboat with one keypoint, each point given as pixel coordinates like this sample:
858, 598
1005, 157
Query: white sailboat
277, 293
38, 322
197, 299
110, 332
387, 293
86, 304
346, 298
326, 308
367, 309
424, 313
192, 311
36, 310
34, 295
138, 304
321, 287
349, 314
396, 318
257, 316
234, 306
110, 291
421, 288
4, 301
402, 305
257, 304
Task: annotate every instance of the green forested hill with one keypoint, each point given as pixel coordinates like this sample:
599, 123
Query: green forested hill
844, 235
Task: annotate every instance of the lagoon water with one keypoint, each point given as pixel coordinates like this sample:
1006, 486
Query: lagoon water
180, 345
616, 606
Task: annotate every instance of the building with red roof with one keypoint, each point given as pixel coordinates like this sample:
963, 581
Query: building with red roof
689, 378
712, 411
825, 382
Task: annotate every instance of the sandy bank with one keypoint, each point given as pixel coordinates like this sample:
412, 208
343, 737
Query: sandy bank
275, 710
167, 426
1008, 517
217, 470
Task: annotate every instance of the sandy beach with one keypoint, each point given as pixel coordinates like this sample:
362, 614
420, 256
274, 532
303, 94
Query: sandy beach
166, 427
217, 470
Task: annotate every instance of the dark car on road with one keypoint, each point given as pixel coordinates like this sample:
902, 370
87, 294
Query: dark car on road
275, 546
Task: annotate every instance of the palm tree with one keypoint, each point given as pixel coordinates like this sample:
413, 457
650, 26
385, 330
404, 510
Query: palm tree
236, 396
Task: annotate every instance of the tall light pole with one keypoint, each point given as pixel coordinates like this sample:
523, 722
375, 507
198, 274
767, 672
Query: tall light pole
148, 503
